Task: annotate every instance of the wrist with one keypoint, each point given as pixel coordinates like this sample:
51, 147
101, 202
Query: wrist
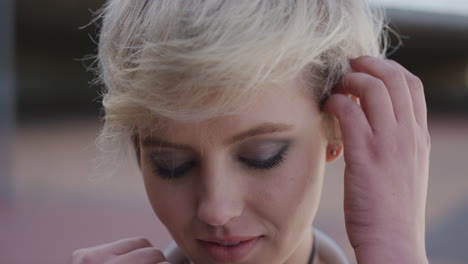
397, 252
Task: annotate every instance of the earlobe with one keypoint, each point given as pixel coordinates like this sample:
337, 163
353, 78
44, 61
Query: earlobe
333, 152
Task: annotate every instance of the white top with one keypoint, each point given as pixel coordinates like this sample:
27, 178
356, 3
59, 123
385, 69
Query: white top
328, 250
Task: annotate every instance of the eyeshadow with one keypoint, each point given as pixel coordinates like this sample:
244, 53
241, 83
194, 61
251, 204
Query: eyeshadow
261, 149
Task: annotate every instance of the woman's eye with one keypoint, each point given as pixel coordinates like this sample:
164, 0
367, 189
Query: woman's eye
166, 168
269, 163
171, 173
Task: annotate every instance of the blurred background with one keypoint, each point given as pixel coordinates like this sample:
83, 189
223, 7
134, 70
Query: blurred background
50, 203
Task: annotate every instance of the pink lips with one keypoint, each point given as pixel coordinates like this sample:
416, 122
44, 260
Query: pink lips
229, 253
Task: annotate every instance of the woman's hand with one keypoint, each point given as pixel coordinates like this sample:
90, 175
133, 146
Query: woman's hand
130, 250
386, 151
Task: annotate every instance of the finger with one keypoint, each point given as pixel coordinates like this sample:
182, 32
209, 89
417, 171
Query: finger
394, 80
147, 255
416, 89
125, 245
88, 255
373, 96
353, 122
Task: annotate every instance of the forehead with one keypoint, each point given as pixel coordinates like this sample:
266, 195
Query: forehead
285, 104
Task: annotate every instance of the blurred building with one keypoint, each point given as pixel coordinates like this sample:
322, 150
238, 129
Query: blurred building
51, 44
435, 47
6, 95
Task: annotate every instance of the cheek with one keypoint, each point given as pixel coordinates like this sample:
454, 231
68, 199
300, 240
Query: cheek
168, 202
292, 192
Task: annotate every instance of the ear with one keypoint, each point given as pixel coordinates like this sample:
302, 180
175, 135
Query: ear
334, 137
334, 147
136, 147
334, 151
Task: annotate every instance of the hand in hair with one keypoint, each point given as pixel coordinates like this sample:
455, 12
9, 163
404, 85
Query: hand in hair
130, 250
386, 151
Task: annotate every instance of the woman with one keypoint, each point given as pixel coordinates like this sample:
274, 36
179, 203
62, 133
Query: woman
230, 107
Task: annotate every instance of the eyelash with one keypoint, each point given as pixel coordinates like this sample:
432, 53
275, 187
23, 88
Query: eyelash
275, 161
271, 163
174, 173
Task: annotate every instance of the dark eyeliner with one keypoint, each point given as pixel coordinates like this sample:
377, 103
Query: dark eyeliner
275, 161
177, 172
171, 173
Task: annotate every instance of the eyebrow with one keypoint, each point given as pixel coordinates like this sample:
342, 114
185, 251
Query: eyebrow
264, 128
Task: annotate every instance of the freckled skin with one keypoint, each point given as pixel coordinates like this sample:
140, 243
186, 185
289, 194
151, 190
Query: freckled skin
223, 197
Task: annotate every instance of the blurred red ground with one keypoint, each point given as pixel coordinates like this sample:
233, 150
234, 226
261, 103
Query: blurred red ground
56, 208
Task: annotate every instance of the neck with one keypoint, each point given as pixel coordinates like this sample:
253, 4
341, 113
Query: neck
303, 251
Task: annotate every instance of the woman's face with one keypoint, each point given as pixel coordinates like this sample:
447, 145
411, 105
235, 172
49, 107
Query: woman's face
253, 178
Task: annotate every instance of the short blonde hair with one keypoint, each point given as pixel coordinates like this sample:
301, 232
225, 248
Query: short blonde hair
168, 58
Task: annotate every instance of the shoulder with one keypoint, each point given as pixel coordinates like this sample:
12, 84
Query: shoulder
174, 254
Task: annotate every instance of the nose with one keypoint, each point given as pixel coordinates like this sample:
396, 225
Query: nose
219, 200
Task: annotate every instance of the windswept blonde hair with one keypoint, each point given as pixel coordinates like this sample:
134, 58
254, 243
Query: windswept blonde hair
189, 60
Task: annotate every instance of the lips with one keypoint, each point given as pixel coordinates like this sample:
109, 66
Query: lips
229, 249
